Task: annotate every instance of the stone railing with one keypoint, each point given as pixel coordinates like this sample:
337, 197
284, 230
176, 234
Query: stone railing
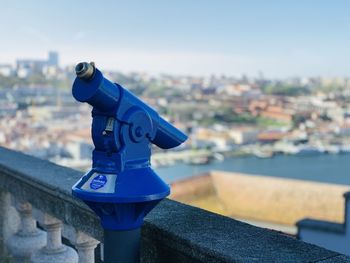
42, 221
331, 235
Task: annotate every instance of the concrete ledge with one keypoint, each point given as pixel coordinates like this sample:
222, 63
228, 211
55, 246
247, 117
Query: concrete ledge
324, 226
173, 232
336, 259
280, 200
209, 237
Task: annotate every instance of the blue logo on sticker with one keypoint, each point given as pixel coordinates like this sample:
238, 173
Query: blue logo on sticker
98, 182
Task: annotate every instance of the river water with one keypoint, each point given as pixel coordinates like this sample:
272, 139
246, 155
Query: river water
321, 168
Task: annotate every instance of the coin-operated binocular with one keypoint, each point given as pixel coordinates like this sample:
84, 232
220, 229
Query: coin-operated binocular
121, 187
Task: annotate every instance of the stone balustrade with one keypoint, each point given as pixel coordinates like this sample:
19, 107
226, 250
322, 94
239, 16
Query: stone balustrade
330, 235
40, 221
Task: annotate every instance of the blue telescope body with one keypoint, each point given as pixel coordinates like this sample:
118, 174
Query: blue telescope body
121, 186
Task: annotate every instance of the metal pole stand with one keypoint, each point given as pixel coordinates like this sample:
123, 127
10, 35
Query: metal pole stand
122, 246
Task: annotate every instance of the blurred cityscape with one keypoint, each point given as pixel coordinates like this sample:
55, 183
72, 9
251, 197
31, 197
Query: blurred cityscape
224, 116
261, 88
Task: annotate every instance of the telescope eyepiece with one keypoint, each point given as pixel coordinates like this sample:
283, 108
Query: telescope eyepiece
84, 70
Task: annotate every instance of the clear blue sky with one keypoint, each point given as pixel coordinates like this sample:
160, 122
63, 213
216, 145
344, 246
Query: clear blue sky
280, 38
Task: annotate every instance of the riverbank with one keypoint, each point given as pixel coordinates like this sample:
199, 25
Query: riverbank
205, 156
327, 168
261, 198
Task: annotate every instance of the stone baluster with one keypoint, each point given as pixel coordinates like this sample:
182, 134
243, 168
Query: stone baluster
28, 238
83, 243
54, 251
9, 223
102, 252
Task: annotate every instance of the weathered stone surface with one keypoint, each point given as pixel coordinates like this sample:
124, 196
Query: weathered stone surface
83, 243
336, 259
9, 221
173, 232
198, 235
66, 255
48, 187
54, 251
21, 247
29, 238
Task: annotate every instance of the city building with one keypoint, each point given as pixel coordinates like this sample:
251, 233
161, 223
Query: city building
27, 67
6, 70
